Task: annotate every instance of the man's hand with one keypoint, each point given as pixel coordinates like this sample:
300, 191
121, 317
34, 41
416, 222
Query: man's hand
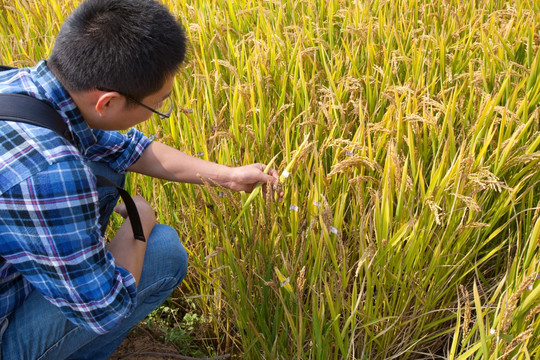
245, 178
127, 251
140, 203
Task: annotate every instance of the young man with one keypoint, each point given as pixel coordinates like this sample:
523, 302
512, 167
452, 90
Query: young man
64, 293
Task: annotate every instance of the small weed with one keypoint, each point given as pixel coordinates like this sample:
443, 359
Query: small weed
180, 328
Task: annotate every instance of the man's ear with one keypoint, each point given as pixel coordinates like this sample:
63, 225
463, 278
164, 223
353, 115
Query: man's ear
109, 102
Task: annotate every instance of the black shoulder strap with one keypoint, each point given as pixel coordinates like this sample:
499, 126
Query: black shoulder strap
23, 108
133, 214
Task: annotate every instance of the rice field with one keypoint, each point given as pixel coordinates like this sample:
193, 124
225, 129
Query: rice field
407, 136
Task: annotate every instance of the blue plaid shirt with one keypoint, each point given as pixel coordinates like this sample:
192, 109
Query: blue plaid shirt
49, 231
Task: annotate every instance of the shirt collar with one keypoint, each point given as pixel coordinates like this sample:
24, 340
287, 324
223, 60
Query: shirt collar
52, 92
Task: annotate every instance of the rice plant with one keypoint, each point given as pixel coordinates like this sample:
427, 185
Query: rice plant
407, 136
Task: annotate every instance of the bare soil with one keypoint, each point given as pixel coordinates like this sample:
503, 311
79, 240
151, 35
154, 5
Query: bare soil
142, 344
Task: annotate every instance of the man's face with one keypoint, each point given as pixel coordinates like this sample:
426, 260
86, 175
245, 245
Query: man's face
114, 113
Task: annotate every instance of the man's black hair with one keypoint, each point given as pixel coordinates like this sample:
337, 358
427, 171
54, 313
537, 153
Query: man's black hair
130, 46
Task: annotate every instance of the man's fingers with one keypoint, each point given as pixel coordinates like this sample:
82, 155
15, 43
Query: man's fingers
121, 210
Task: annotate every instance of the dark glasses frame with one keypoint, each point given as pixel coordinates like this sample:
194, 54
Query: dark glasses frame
159, 113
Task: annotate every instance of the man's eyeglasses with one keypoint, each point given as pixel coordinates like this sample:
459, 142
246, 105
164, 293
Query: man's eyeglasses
165, 107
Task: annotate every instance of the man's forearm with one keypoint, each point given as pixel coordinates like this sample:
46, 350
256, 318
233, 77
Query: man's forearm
164, 162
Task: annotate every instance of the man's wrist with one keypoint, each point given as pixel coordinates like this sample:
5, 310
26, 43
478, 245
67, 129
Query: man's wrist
223, 176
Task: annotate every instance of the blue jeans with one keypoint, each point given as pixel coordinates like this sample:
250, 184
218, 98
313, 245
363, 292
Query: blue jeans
38, 330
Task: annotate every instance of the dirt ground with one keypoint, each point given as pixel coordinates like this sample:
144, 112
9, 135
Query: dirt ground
141, 344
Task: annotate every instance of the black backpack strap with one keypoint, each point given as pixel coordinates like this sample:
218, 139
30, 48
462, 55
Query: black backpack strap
23, 108
133, 214
18, 107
